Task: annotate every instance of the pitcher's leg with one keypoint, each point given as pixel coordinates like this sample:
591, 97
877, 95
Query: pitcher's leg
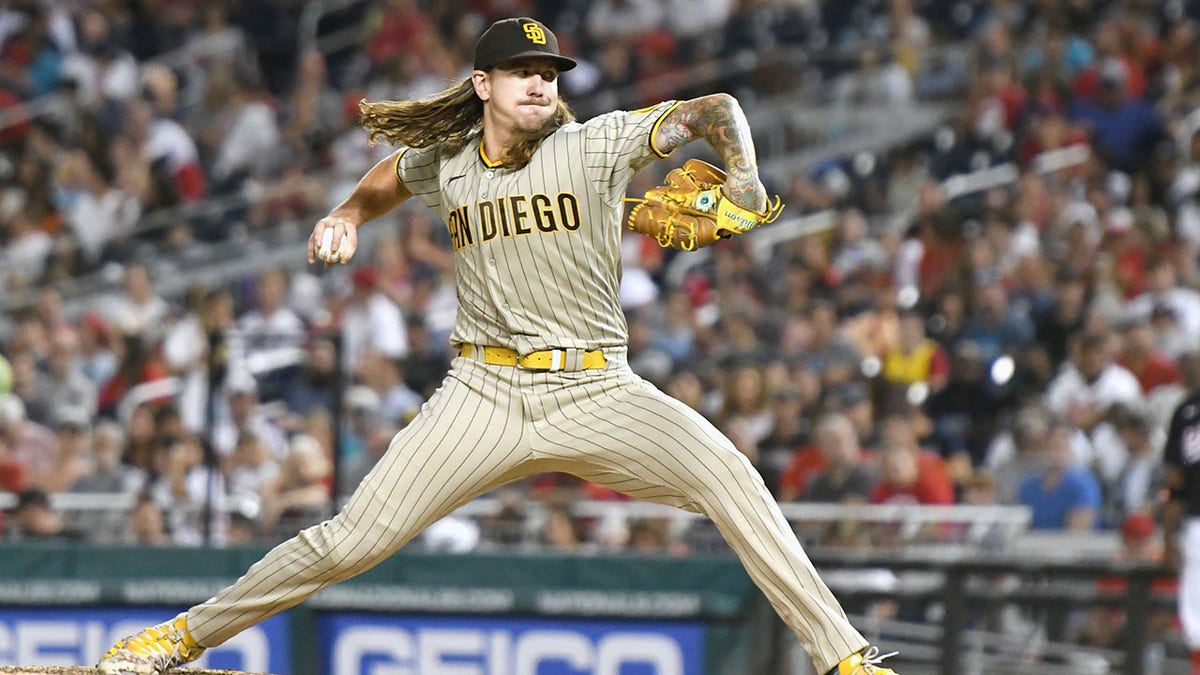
466, 440
638, 440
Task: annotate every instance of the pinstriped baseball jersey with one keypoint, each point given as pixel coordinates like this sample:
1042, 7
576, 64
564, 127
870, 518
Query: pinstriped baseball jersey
538, 249
538, 265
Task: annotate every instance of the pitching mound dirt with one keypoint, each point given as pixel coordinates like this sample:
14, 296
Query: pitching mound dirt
88, 670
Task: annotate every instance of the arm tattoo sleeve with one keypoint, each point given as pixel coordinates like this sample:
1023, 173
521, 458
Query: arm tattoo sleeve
719, 120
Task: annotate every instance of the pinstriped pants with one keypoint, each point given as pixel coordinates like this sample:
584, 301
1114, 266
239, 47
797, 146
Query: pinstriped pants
488, 425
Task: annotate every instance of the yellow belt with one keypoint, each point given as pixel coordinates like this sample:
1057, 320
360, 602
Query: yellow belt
550, 359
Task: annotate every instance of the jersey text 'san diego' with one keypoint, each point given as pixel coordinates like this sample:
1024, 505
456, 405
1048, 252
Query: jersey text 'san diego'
529, 243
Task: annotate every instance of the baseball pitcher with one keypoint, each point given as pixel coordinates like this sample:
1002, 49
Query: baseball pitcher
533, 203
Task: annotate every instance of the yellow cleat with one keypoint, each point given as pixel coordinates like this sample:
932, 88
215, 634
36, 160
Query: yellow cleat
153, 651
865, 662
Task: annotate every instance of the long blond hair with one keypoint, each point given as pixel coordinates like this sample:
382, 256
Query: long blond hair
451, 118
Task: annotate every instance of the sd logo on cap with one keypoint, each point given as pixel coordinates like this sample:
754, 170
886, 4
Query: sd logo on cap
518, 38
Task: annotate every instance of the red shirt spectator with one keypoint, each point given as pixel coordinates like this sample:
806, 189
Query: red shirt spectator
13, 477
1142, 357
912, 477
806, 463
400, 27
137, 367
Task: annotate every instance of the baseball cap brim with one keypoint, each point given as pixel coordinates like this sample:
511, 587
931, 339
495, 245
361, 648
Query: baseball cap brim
563, 62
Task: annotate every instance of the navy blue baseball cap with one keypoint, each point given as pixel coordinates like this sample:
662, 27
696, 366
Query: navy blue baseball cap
518, 38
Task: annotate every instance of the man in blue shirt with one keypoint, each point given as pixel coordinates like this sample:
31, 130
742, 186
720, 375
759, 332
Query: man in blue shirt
1063, 496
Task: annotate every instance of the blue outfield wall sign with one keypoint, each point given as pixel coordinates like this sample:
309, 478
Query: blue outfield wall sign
59, 636
390, 644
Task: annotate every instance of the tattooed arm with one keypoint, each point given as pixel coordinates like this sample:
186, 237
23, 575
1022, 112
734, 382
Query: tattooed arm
719, 120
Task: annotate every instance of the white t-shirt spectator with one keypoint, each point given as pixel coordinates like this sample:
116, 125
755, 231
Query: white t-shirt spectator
623, 19
693, 18
23, 259
273, 341
148, 318
250, 143
376, 324
96, 220
1070, 390
169, 140
1184, 302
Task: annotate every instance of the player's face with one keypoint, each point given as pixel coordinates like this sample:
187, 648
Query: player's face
523, 94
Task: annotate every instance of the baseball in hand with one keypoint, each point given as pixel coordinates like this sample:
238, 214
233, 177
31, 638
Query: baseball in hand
325, 251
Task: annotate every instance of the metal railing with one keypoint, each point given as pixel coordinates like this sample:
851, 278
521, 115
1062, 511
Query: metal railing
967, 527
970, 585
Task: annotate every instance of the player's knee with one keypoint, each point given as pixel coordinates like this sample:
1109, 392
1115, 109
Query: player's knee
341, 549
729, 474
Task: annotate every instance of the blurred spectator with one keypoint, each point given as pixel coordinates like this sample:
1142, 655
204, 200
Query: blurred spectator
745, 401
249, 141
908, 473
63, 384
73, 429
1015, 454
376, 442
1142, 357
1062, 494
399, 26
830, 352
1123, 126
250, 469
425, 365
1165, 291
97, 359
561, 532
272, 336
35, 519
1091, 383
245, 416
103, 69
650, 536
139, 309
243, 530
147, 524
789, 430
26, 253
139, 365
108, 473
1137, 486
314, 388
190, 492
878, 80
371, 322
915, 358
845, 477
12, 473
32, 445
965, 413
622, 21
993, 325
97, 210
169, 149
188, 353
397, 403
645, 358
299, 496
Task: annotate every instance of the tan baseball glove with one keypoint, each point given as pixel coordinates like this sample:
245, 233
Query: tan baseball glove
689, 211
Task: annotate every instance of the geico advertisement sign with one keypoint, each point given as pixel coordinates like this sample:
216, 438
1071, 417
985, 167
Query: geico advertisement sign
65, 637
363, 644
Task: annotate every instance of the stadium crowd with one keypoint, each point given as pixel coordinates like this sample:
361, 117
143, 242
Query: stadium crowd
1019, 344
